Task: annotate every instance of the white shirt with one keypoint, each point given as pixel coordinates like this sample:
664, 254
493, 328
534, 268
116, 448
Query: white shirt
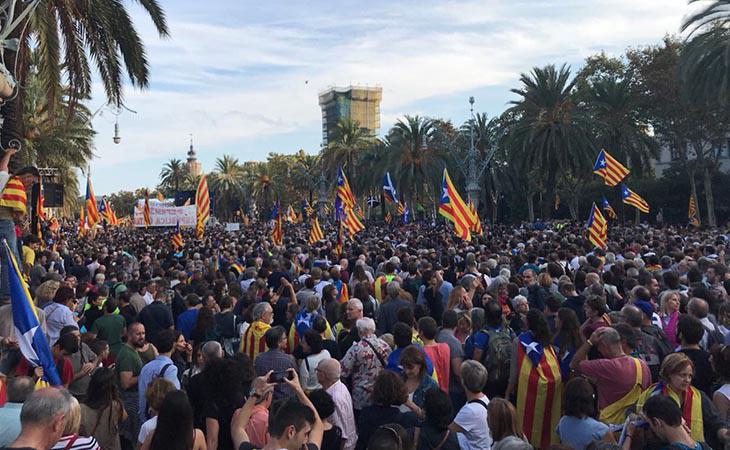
307, 370
320, 286
472, 418
148, 298
147, 428
343, 416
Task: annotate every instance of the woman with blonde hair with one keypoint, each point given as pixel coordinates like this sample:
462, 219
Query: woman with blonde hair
669, 314
460, 299
45, 292
70, 439
697, 409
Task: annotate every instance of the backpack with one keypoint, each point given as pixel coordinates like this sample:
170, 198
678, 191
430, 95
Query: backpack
498, 355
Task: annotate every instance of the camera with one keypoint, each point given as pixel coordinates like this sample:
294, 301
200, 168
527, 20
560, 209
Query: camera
280, 376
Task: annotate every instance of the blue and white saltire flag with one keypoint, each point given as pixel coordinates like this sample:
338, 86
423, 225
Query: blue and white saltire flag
391, 196
28, 332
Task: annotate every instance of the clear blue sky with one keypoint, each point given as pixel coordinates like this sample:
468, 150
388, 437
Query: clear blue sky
243, 76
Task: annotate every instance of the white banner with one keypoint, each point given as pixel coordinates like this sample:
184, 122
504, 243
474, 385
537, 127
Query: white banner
165, 215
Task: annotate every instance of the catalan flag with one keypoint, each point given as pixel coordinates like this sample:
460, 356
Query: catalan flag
340, 238
388, 218
92, 210
399, 209
632, 198
344, 193
146, 211
307, 210
82, 220
160, 197
277, 233
177, 239
692, 213
539, 391
610, 169
202, 207
352, 222
477, 227
453, 208
391, 196
315, 234
610, 212
597, 228
28, 332
13, 195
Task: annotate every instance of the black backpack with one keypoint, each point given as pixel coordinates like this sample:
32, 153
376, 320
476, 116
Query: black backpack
497, 357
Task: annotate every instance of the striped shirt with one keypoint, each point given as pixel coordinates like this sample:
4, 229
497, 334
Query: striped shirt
79, 443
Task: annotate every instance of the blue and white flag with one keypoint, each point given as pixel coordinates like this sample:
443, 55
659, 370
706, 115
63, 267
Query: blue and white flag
391, 196
28, 332
406, 214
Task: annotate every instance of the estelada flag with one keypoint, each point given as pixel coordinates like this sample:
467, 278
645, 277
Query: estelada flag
453, 207
253, 342
92, 210
693, 215
539, 391
597, 228
609, 169
632, 198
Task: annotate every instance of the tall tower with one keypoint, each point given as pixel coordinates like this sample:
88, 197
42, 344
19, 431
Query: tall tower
194, 167
358, 103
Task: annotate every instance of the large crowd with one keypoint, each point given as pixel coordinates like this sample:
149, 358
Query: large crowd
404, 338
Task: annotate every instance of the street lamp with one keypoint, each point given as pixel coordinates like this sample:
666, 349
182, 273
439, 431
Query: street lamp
117, 110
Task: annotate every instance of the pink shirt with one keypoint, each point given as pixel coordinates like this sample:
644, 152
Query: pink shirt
258, 425
343, 416
614, 377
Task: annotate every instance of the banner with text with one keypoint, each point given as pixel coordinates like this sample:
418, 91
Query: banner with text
166, 215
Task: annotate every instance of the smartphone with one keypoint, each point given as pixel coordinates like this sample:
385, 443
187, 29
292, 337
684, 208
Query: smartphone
280, 376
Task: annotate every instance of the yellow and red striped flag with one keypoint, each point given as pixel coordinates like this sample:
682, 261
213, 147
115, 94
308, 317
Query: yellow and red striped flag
343, 190
632, 198
82, 220
452, 207
477, 227
609, 169
692, 213
597, 228
13, 195
539, 391
388, 218
92, 210
202, 207
146, 211
609, 209
352, 222
177, 239
277, 233
315, 234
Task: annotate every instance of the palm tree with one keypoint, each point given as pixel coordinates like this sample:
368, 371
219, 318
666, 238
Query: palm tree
548, 130
173, 174
704, 65
68, 36
64, 140
414, 159
349, 140
621, 130
305, 172
227, 183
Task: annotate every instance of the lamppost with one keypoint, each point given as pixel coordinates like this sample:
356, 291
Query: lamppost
474, 163
116, 110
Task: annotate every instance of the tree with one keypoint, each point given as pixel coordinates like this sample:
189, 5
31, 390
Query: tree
305, 172
414, 158
172, 175
620, 127
548, 130
67, 35
123, 203
691, 131
349, 141
64, 140
226, 182
704, 64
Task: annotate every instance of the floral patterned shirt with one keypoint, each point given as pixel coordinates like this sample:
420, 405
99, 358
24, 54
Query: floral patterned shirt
363, 365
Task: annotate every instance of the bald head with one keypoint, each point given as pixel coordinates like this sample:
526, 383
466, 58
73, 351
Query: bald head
328, 372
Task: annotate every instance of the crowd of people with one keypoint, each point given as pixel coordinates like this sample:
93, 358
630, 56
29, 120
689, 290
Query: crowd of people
403, 338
